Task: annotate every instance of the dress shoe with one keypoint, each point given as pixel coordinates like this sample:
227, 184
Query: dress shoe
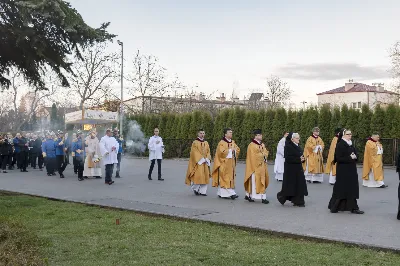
98, 177
5, 172
160, 179
196, 193
235, 196
149, 177
265, 201
62, 176
81, 178
383, 186
357, 212
203, 194
299, 205
53, 174
309, 181
316, 182
231, 197
249, 199
25, 171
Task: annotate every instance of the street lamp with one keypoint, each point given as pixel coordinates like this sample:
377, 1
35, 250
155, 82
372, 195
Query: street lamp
122, 86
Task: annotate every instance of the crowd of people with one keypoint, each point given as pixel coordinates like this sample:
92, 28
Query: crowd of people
52, 151
294, 167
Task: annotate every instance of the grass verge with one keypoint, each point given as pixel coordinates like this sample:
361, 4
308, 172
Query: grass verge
39, 231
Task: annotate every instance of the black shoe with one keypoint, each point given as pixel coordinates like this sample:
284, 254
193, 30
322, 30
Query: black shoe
160, 179
81, 178
232, 197
265, 201
383, 186
398, 215
249, 199
203, 194
332, 184
5, 172
109, 183
316, 182
53, 174
25, 171
85, 177
62, 176
357, 212
149, 177
299, 205
117, 176
196, 193
309, 181
98, 177
49, 174
41, 169
76, 173
34, 168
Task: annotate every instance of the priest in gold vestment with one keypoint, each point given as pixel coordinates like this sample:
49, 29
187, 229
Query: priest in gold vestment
256, 177
372, 165
313, 165
198, 172
330, 168
224, 168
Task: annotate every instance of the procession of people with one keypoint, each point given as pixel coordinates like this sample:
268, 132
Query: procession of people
294, 166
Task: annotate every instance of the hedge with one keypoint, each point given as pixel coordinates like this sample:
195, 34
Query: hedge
180, 129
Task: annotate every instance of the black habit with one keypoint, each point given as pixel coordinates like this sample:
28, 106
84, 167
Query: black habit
345, 191
294, 186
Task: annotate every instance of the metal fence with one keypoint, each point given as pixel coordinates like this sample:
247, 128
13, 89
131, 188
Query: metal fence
180, 148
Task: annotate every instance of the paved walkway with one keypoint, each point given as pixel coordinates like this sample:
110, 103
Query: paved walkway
377, 227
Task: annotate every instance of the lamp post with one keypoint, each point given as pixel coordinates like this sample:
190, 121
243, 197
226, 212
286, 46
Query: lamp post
122, 87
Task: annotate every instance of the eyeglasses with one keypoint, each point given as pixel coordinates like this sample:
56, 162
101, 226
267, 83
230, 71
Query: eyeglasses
349, 134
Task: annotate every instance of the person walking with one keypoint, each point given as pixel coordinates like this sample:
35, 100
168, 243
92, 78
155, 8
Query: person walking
156, 148
109, 151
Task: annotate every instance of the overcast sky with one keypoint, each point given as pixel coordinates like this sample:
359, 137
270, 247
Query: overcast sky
314, 45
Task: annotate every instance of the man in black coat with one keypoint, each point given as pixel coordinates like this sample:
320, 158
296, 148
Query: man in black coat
5, 151
23, 152
35, 151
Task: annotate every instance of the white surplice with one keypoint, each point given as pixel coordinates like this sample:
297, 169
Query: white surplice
109, 156
279, 166
371, 179
92, 153
156, 149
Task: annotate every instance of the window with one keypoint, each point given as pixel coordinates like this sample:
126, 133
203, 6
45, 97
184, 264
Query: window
354, 105
359, 105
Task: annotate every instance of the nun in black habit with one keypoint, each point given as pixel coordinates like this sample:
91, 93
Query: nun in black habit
345, 191
294, 186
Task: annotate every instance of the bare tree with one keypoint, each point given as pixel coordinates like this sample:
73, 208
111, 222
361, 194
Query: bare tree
277, 91
94, 75
395, 58
149, 78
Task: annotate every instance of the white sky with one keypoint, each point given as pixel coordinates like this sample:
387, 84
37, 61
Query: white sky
313, 45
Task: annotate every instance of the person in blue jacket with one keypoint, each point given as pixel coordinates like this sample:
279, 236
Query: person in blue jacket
120, 141
78, 148
60, 153
49, 154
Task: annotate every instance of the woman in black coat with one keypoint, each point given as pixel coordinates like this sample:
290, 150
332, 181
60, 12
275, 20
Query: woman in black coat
345, 191
398, 192
294, 186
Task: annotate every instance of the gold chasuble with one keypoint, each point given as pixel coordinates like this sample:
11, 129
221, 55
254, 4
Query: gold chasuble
256, 163
224, 168
313, 155
373, 160
330, 166
198, 174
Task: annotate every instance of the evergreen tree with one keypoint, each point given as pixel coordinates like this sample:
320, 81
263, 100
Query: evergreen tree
396, 124
352, 121
298, 122
170, 127
196, 123
324, 122
290, 121
162, 123
238, 119
344, 115
278, 125
268, 122
207, 124
335, 119
364, 122
218, 128
390, 114
378, 121
53, 117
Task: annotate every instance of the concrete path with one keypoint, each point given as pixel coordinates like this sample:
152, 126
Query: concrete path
377, 227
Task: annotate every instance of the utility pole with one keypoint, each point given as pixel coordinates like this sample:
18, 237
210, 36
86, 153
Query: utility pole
122, 88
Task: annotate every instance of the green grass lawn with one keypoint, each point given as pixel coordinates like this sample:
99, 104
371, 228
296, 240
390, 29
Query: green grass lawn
35, 231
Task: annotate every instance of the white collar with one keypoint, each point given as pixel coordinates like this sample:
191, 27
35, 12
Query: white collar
348, 142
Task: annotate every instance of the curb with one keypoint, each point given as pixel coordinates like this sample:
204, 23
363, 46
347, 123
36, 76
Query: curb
283, 234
